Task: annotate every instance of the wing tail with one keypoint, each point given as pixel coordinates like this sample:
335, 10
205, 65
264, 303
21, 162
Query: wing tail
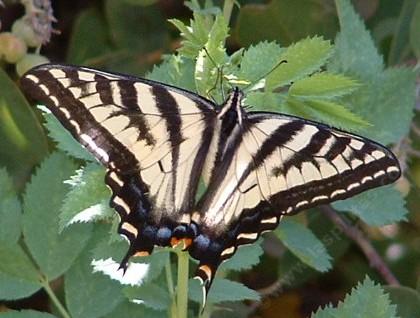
205, 274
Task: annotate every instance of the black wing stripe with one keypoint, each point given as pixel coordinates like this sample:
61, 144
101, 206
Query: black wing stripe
166, 103
103, 87
317, 141
279, 137
338, 147
79, 121
132, 104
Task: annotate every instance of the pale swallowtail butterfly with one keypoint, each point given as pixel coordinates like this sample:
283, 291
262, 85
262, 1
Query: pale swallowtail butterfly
157, 141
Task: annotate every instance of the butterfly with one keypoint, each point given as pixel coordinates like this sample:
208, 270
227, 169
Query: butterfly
158, 141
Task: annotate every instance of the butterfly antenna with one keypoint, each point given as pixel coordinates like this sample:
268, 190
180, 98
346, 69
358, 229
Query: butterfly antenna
219, 77
265, 75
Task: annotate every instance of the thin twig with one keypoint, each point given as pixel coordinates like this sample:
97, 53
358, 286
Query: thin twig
415, 129
375, 260
414, 153
54, 298
227, 10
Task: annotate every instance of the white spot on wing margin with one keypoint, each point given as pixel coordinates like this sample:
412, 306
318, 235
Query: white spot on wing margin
134, 275
89, 141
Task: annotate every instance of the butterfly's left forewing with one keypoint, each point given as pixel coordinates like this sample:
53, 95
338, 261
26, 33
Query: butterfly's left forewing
152, 138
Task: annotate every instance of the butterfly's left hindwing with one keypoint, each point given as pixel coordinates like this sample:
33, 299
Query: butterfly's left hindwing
152, 138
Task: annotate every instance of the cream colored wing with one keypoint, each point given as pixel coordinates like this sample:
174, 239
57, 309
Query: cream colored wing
274, 165
281, 165
151, 137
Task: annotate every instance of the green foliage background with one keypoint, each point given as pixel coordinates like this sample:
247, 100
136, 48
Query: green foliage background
341, 70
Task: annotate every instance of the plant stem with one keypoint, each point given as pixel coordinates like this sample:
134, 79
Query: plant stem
182, 284
375, 260
54, 298
227, 9
170, 282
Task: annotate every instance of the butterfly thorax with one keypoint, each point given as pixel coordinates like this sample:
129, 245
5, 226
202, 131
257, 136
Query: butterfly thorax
231, 110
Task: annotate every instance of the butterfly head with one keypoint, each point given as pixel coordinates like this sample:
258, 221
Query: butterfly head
232, 109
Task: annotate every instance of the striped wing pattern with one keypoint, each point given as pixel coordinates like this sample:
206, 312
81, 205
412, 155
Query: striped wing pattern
152, 147
277, 165
157, 141
293, 164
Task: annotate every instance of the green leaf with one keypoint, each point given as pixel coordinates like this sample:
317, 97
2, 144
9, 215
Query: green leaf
90, 294
415, 31
297, 107
327, 312
304, 244
105, 249
303, 58
331, 113
65, 140
355, 52
210, 60
268, 55
141, 3
195, 36
129, 310
16, 264
389, 96
174, 71
22, 140
208, 8
222, 290
367, 300
26, 314
133, 29
204, 42
276, 21
375, 101
156, 261
116, 250
88, 191
406, 299
12, 288
85, 45
266, 101
18, 276
245, 258
150, 295
400, 48
292, 272
323, 85
376, 207
54, 253
10, 211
